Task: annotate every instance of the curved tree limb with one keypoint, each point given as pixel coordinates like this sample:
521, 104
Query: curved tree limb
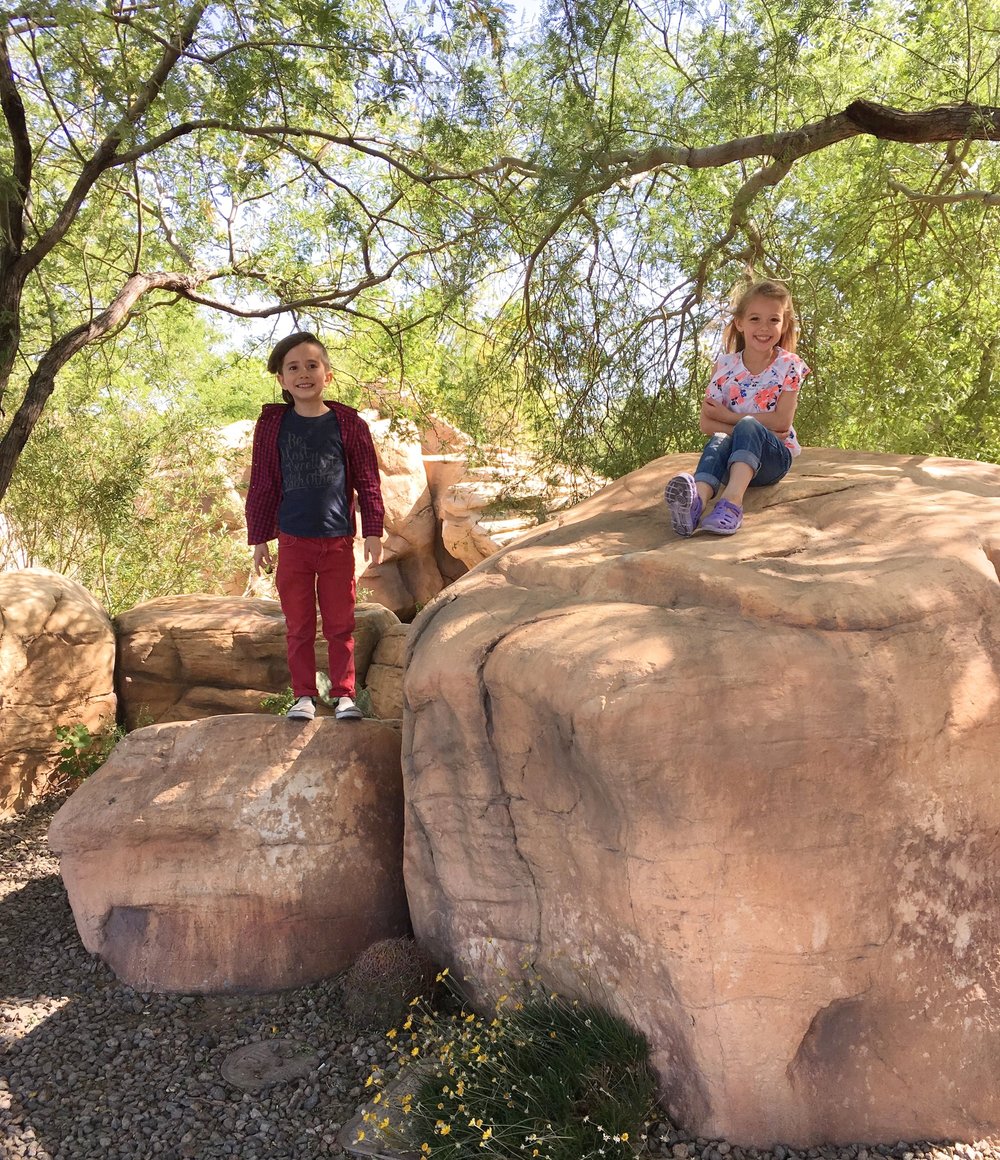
42, 381
983, 196
926, 126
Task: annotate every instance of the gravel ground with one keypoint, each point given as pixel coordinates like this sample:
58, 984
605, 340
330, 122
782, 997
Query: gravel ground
91, 1068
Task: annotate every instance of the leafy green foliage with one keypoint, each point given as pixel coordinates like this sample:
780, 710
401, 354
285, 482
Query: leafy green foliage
122, 486
447, 202
81, 752
278, 703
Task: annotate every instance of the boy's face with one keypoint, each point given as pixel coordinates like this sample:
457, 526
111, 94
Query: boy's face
304, 373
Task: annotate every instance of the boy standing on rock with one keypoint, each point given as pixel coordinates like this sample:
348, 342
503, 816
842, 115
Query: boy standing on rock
310, 457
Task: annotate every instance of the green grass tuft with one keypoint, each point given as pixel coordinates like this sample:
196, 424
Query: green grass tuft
549, 1080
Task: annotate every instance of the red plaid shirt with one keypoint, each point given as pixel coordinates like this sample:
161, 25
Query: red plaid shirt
360, 472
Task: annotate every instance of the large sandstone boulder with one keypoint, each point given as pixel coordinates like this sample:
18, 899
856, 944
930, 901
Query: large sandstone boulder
237, 853
184, 657
481, 509
743, 789
57, 657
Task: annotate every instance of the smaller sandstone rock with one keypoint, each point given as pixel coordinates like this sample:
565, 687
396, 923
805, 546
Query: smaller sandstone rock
385, 673
237, 853
57, 656
185, 657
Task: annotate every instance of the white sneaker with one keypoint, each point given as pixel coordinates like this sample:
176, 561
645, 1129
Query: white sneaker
347, 710
304, 709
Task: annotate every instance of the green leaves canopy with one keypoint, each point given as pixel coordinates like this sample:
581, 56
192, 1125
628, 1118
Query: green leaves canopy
556, 219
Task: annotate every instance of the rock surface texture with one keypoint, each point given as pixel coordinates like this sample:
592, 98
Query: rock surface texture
184, 657
742, 789
385, 673
240, 853
57, 658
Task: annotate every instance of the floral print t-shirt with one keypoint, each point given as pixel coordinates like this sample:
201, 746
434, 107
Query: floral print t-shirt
735, 387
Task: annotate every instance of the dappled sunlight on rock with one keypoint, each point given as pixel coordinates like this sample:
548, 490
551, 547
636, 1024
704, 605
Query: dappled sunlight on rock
754, 777
238, 853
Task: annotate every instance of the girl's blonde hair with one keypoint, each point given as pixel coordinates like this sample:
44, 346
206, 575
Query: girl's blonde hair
733, 342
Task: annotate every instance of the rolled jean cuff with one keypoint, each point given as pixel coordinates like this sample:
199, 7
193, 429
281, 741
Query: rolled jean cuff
745, 456
705, 477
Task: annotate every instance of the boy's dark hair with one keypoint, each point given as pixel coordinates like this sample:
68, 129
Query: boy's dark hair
277, 356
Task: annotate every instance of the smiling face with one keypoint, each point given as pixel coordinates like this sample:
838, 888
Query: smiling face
761, 324
304, 375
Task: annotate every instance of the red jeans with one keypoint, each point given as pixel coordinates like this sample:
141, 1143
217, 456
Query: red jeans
323, 568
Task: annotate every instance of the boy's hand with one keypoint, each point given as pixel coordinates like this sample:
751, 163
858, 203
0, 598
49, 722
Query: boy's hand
262, 559
373, 549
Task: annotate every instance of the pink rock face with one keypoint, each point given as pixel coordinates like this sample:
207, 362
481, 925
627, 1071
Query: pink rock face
239, 853
743, 790
57, 659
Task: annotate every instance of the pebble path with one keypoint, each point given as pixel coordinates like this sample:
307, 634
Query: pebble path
91, 1068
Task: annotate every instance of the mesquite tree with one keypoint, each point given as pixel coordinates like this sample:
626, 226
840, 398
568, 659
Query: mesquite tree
578, 200
258, 159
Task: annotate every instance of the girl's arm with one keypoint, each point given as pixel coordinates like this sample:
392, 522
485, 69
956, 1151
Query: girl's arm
780, 419
715, 417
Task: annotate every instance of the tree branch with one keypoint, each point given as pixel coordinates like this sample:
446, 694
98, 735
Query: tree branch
12, 201
948, 123
42, 380
106, 154
984, 196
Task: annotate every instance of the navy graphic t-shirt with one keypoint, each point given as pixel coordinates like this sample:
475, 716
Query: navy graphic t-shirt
314, 492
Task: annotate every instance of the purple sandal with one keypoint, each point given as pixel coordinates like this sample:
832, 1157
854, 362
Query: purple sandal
724, 519
682, 498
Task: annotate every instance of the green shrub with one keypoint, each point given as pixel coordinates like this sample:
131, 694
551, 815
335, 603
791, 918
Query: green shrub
81, 752
549, 1079
278, 703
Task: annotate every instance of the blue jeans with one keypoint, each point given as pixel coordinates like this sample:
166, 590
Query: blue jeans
750, 442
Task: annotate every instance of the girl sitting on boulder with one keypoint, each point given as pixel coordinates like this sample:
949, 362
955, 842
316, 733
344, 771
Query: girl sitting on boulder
747, 411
